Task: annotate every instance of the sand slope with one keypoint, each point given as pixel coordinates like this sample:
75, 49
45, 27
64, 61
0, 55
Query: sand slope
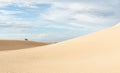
95, 53
17, 44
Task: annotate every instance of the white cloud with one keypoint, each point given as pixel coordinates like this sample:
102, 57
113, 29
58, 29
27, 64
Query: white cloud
8, 12
79, 12
5, 2
14, 24
23, 3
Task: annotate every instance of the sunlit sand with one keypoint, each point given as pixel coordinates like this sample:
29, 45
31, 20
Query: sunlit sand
98, 52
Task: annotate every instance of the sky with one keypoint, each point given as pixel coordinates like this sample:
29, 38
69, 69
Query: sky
55, 20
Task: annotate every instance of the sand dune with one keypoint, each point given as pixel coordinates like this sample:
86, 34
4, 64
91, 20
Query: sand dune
17, 44
95, 53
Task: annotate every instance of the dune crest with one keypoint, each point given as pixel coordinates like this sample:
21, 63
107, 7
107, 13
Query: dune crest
95, 53
17, 44
117, 25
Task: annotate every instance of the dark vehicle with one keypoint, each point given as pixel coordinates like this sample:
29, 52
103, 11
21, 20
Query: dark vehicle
26, 39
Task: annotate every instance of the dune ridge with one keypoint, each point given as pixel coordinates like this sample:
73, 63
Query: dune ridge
95, 53
18, 44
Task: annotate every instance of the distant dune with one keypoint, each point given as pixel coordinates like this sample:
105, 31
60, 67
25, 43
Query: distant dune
17, 44
95, 53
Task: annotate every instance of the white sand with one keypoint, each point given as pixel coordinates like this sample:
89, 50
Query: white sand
95, 53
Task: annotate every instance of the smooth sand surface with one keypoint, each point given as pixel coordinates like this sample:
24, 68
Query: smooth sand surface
18, 44
95, 53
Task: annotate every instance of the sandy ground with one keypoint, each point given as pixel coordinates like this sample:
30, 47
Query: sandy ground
18, 44
95, 53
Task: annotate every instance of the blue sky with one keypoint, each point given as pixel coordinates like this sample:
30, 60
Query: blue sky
55, 20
